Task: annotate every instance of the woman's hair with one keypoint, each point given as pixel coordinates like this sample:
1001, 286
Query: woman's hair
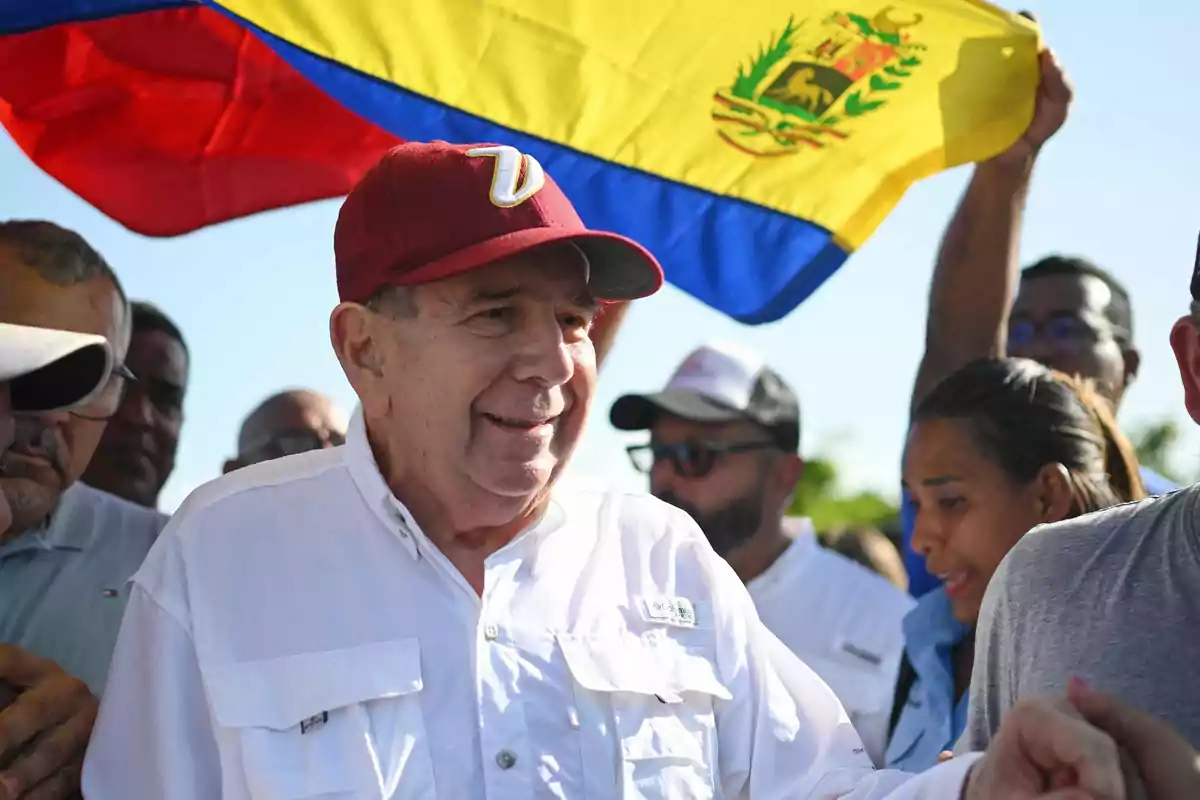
1024, 416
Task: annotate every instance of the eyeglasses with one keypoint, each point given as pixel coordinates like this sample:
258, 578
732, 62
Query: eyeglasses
291, 443
105, 404
1063, 331
689, 459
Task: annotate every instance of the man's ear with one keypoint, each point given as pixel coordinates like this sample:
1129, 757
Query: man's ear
1185, 341
1054, 497
350, 335
1133, 363
789, 468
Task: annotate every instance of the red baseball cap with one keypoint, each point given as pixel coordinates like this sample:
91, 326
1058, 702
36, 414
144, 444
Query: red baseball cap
429, 210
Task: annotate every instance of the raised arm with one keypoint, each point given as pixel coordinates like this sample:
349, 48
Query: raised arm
976, 272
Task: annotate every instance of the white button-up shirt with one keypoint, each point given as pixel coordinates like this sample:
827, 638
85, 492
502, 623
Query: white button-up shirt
843, 621
293, 634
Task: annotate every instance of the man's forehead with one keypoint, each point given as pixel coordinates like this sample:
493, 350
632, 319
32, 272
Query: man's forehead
553, 273
1048, 294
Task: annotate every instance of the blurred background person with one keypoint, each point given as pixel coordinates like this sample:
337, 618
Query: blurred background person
724, 441
136, 454
869, 547
997, 448
290, 422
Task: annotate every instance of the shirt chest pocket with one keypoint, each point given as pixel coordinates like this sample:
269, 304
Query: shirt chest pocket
648, 704
338, 724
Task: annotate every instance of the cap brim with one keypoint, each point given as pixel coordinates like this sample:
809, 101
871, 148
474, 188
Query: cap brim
621, 269
637, 412
49, 369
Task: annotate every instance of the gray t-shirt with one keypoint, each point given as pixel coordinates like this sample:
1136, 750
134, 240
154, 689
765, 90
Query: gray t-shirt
1112, 598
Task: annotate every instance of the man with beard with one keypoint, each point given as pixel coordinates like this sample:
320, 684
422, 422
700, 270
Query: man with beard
724, 436
70, 549
137, 451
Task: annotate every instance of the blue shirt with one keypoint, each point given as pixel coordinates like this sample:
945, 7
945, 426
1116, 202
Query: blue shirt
63, 586
931, 720
919, 579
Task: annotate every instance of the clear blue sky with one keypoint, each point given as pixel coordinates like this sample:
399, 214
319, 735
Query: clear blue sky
1120, 184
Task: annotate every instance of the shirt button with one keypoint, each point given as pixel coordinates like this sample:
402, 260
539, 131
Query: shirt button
490, 633
506, 759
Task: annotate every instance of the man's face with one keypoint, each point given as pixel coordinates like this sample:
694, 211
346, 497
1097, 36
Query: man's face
728, 494
483, 393
1059, 320
52, 449
137, 452
286, 425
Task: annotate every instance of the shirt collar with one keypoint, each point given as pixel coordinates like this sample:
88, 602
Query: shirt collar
69, 526
364, 471
803, 545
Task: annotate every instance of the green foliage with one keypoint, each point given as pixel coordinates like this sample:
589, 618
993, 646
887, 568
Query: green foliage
1156, 446
748, 80
819, 498
880, 84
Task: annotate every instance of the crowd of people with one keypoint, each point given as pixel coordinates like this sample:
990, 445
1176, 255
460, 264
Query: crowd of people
410, 603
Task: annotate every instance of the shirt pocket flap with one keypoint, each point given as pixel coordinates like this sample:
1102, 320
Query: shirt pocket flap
661, 667
281, 693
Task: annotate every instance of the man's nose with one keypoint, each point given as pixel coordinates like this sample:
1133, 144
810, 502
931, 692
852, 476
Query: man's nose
136, 409
546, 357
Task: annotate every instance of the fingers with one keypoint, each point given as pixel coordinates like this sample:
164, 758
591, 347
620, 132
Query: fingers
54, 759
63, 785
1128, 725
43, 707
23, 668
945, 755
1055, 83
1055, 738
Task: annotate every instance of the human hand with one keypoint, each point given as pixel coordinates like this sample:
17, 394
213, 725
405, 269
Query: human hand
1053, 103
45, 730
1168, 765
1045, 749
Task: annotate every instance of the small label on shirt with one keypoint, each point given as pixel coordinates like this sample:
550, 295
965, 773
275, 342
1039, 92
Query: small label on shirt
677, 611
314, 723
865, 655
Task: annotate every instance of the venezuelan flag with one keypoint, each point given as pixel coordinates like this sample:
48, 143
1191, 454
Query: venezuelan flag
752, 145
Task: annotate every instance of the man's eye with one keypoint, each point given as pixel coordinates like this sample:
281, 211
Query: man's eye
500, 313
949, 503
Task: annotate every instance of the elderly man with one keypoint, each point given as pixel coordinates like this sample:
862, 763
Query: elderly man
136, 454
724, 436
424, 613
70, 549
286, 424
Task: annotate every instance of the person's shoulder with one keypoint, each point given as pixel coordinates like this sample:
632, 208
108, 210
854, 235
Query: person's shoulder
111, 519
632, 513
1050, 551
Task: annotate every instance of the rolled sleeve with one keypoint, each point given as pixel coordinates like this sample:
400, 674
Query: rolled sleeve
784, 734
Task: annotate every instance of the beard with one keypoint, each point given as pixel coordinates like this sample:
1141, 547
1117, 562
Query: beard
725, 528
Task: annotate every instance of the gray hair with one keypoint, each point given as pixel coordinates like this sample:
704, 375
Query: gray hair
58, 255
394, 301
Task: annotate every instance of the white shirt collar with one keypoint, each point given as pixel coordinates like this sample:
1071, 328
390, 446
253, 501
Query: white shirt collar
364, 471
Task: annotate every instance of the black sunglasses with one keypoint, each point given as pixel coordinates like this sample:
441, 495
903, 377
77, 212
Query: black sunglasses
106, 404
689, 459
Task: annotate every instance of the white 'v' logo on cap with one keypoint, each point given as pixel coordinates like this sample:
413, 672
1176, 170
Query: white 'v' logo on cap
507, 189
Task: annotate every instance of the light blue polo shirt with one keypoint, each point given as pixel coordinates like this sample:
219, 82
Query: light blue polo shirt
63, 586
931, 721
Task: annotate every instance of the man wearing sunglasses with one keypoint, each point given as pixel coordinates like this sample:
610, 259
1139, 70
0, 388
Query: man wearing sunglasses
724, 436
288, 423
69, 549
